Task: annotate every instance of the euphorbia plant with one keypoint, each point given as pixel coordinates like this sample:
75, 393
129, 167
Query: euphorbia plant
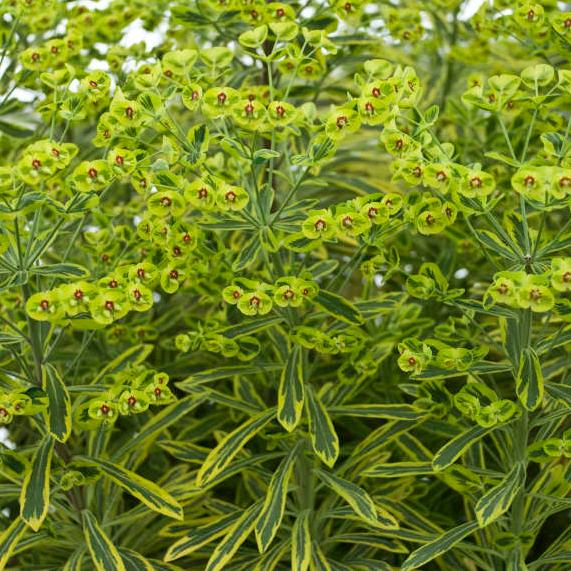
289, 290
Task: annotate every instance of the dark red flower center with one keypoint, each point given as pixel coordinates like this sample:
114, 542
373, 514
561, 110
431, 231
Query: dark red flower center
476, 182
503, 288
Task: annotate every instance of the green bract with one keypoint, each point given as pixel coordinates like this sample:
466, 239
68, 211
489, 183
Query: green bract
285, 285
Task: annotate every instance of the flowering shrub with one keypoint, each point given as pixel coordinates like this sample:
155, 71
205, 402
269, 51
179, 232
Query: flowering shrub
286, 287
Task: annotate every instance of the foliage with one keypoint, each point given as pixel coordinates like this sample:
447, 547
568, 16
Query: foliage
287, 288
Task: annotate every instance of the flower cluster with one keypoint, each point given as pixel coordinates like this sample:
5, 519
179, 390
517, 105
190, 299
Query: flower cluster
132, 392
257, 298
346, 221
416, 356
129, 288
430, 283
22, 403
531, 291
329, 342
480, 403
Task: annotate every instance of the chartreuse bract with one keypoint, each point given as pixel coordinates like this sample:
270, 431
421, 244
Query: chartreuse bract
285, 285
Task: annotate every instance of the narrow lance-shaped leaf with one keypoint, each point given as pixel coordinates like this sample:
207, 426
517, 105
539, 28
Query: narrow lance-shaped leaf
144, 490
439, 546
104, 554
65, 270
360, 502
291, 391
223, 454
529, 380
200, 536
218, 373
34, 498
388, 411
134, 561
168, 415
324, 439
451, 451
318, 559
498, 500
59, 404
75, 561
399, 470
9, 540
233, 540
338, 307
301, 543
248, 254
274, 505
269, 560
